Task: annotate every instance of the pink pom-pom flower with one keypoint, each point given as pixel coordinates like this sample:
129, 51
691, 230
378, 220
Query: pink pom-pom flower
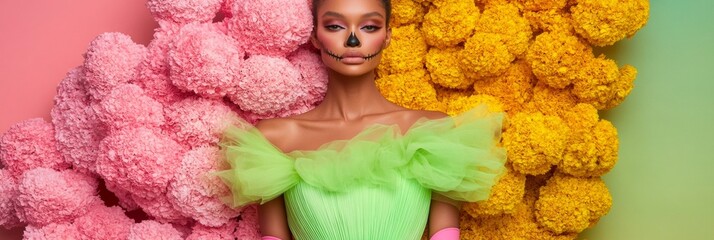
248, 226
30, 144
184, 11
52, 231
196, 122
106, 223
205, 61
196, 193
111, 60
268, 85
313, 74
226, 231
127, 106
161, 209
49, 196
8, 193
138, 160
152, 230
270, 27
77, 128
153, 72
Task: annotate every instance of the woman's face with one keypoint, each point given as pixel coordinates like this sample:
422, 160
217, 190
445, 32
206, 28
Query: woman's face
351, 35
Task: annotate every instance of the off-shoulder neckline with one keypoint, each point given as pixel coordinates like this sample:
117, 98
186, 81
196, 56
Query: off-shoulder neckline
421, 121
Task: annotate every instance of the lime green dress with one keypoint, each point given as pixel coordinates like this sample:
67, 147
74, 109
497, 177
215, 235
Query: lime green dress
377, 185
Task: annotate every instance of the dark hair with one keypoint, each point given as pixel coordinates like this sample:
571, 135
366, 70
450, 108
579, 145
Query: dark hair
387, 4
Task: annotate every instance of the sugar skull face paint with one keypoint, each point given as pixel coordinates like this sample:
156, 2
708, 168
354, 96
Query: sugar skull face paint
351, 35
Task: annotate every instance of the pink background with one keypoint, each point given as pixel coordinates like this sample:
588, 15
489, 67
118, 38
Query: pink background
40, 40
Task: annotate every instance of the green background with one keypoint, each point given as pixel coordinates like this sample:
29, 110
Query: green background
663, 183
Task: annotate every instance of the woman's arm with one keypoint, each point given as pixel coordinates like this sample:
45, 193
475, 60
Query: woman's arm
273, 219
443, 216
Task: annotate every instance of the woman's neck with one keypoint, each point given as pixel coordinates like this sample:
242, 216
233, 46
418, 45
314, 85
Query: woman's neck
349, 98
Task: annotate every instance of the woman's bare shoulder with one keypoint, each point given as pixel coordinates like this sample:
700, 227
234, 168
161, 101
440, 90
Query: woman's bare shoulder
278, 130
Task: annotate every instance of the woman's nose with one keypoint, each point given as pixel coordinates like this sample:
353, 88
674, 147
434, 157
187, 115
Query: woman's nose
352, 41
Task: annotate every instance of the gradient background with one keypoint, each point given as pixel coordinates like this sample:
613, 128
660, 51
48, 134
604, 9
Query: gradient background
662, 186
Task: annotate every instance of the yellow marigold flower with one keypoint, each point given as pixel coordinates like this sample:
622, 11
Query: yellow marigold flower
406, 12
540, 5
569, 204
514, 88
582, 116
411, 90
604, 22
445, 94
595, 82
557, 57
623, 86
462, 104
450, 24
443, 66
485, 55
550, 21
592, 152
550, 100
505, 195
506, 20
405, 52
517, 225
535, 142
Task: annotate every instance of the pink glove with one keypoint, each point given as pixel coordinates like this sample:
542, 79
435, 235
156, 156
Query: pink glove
447, 234
269, 238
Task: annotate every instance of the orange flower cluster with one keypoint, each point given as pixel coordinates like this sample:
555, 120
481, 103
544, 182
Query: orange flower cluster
534, 60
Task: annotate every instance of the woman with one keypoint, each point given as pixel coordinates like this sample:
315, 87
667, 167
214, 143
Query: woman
358, 166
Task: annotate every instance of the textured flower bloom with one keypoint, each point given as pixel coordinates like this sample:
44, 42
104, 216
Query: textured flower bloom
195, 121
550, 21
595, 81
138, 160
593, 147
623, 86
551, 101
196, 193
51, 231
506, 20
405, 53
152, 230
406, 12
450, 24
459, 105
205, 61
77, 128
411, 90
504, 198
112, 59
184, 11
161, 209
102, 222
268, 85
270, 27
535, 142
248, 226
8, 193
514, 88
226, 231
540, 5
443, 66
604, 22
30, 144
556, 58
485, 55
571, 204
313, 75
127, 106
48, 196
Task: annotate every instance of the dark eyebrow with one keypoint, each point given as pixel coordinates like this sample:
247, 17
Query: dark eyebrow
334, 14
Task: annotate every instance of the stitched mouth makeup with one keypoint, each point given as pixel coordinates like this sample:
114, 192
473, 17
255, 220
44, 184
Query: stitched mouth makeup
352, 55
